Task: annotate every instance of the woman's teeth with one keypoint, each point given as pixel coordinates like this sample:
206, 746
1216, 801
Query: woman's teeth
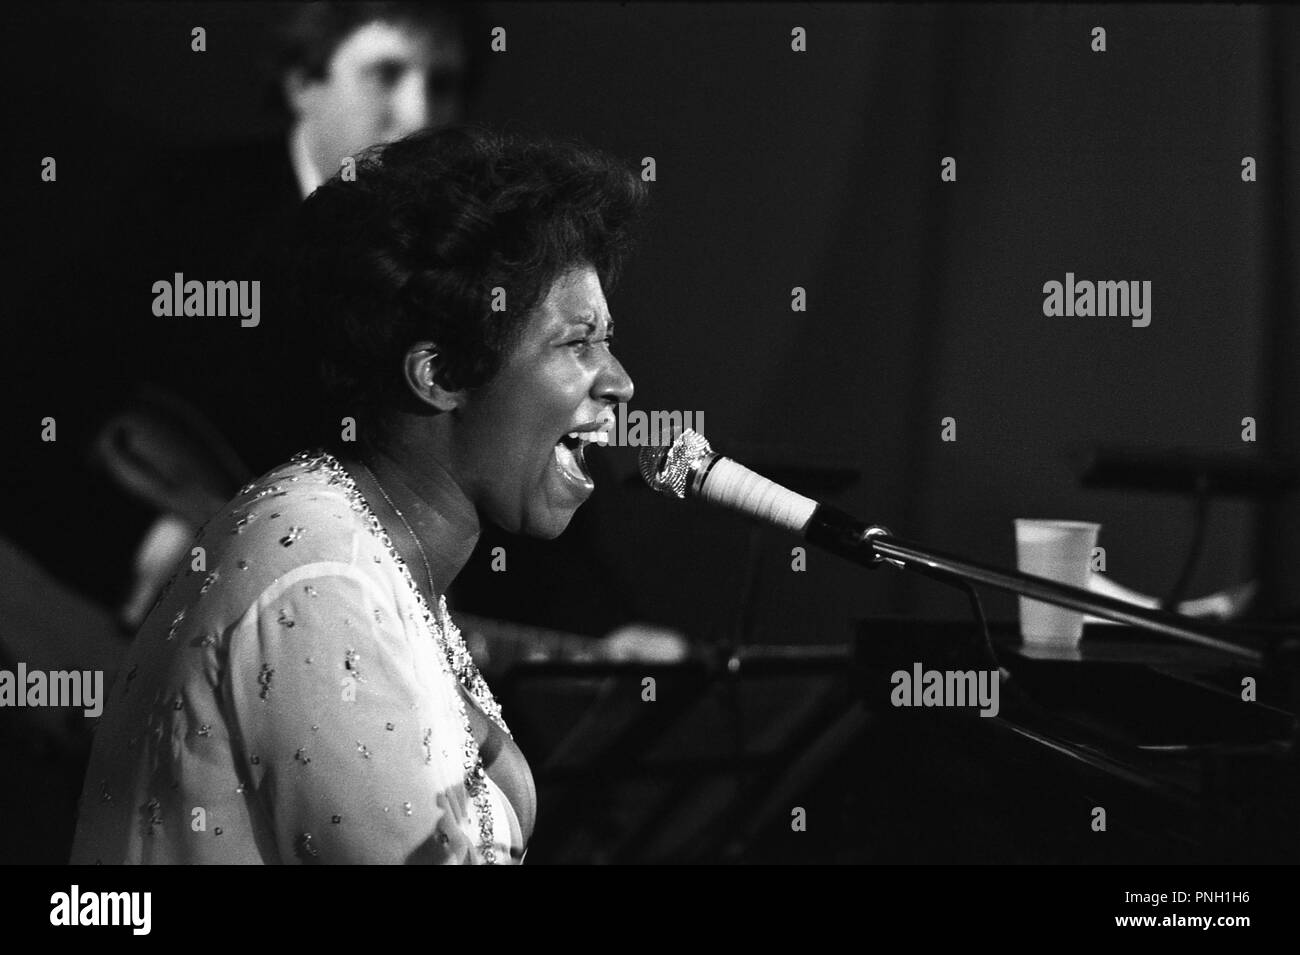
569, 458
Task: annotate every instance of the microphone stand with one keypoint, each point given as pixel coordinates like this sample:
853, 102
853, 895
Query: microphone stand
872, 545
683, 468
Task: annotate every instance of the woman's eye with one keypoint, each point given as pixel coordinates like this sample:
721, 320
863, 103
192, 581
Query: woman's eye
583, 344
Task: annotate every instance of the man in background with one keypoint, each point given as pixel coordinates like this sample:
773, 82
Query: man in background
351, 75
210, 402
160, 420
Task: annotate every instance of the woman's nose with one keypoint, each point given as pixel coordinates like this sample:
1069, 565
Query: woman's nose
614, 384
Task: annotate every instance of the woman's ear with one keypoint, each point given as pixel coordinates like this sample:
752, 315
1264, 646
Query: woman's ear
424, 377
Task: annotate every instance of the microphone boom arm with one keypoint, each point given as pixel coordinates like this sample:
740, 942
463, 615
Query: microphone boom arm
874, 545
689, 467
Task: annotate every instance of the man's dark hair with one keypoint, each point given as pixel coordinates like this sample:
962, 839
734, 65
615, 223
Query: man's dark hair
413, 248
307, 38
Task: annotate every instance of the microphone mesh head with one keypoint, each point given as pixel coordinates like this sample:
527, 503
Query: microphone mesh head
666, 469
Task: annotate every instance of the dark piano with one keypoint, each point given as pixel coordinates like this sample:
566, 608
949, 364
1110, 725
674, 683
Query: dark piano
795, 754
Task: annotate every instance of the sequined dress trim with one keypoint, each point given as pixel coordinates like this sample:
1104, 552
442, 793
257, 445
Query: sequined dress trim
454, 655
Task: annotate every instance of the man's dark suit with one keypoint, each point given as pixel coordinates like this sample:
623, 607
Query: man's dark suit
92, 342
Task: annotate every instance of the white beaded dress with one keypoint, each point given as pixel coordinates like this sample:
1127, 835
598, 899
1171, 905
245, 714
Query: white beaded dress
292, 698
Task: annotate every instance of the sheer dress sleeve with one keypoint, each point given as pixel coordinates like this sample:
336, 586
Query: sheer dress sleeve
293, 700
348, 724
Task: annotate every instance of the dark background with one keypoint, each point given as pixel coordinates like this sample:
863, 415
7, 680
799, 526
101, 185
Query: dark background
819, 169
778, 169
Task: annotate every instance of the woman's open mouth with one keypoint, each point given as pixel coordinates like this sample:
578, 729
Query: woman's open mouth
569, 459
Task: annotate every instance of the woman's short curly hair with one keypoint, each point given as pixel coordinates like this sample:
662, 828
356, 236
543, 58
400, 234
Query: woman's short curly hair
422, 242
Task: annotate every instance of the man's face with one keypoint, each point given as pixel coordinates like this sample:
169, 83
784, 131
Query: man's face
383, 82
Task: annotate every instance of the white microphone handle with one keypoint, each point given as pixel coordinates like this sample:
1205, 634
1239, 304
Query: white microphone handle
737, 487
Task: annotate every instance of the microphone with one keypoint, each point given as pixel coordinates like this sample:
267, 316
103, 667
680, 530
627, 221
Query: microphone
690, 468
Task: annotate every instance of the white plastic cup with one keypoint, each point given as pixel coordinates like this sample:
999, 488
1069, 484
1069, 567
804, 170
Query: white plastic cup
1060, 551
